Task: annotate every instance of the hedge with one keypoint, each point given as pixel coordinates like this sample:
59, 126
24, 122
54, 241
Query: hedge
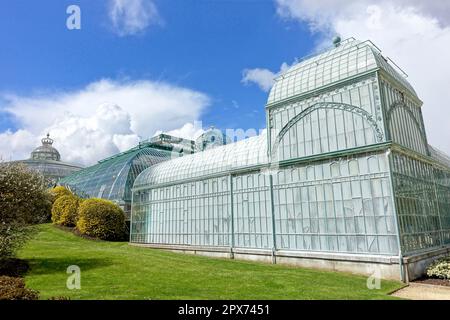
101, 219
65, 210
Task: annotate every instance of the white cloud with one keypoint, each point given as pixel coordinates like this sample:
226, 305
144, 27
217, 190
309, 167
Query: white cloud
130, 17
264, 78
86, 139
16, 145
102, 119
125, 141
189, 131
323, 14
414, 33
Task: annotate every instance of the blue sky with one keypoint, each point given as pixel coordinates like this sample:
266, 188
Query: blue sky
201, 45
139, 66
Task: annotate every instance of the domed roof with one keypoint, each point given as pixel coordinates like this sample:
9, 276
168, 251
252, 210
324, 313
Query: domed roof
348, 59
211, 138
46, 151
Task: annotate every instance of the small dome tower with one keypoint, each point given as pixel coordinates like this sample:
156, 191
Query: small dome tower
211, 138
46, 151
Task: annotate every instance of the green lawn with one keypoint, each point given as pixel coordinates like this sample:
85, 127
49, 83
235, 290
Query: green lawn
115, 270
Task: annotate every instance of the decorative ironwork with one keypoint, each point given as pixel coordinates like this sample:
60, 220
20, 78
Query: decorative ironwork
401, 104
328, 105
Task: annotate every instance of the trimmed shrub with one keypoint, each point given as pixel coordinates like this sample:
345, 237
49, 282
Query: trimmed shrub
59, 191
440, 269
101, 219
14, 289
65, 210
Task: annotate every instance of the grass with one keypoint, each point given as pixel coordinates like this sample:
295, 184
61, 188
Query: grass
115, 270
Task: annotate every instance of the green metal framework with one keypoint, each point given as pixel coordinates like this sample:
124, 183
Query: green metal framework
113, 178
218, 161
344, 166
52, 170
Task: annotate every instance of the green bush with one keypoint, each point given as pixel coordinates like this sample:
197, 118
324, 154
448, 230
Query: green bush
24, 201
101, 219
44, 207
440, 269
59, 191
65, 210
14, 289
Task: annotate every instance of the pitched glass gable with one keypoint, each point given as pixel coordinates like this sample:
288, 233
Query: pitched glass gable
350, 59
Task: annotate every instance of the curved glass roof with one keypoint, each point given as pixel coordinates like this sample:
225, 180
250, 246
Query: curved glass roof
112, 178
51, 169
351, 58
245, 153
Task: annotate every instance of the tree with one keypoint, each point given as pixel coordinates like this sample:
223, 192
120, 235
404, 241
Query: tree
24, 202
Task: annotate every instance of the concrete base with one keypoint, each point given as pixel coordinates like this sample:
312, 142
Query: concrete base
415, 265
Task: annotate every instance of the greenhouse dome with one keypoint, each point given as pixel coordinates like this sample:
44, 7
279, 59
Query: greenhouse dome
46, 160
211, 138
46, 151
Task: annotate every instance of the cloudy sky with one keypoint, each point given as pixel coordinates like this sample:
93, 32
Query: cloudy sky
138, 67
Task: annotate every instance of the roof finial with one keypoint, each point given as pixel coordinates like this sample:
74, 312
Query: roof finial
337, 41
47, 140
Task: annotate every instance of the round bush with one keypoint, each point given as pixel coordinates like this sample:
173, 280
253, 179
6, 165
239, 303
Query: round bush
101, 219
65, 210
59, 191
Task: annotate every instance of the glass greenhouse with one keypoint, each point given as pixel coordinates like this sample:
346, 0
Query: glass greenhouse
343, 178
46, 160
112, 178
